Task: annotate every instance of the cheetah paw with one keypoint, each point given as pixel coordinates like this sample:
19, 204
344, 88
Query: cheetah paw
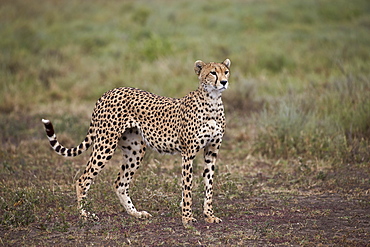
88, 216
144, 215
188, 221
213, 219
141, 214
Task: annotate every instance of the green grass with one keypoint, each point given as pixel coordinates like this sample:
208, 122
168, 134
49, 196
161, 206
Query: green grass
298, 122
328, 121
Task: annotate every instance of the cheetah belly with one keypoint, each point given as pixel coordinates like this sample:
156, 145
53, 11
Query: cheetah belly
163, 140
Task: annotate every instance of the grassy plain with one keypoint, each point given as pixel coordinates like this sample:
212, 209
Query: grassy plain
294, 168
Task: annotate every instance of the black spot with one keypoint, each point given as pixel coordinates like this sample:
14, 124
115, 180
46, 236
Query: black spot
205, 172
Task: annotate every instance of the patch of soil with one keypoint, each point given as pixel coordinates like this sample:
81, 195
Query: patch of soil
276, 219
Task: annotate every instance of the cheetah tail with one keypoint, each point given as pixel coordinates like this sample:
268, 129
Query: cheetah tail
60, 149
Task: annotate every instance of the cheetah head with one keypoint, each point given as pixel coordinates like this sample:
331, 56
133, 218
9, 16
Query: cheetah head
213, 77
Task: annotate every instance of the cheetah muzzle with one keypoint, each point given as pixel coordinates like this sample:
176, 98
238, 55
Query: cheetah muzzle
132, 119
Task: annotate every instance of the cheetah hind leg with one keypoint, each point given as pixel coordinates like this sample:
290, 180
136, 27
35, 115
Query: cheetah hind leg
93, 167
133, 149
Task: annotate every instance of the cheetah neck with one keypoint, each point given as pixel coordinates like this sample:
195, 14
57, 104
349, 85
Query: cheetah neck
211, 95
212, 102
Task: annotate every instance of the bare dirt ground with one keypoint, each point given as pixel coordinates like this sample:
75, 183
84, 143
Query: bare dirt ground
261, 202
278, 219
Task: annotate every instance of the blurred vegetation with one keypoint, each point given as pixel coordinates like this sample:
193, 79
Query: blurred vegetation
299, 97
306, 62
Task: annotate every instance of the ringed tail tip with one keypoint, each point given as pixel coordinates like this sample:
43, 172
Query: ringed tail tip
48, 128
45, 121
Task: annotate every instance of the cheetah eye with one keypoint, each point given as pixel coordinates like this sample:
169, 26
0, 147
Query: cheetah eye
213, 73
226, 72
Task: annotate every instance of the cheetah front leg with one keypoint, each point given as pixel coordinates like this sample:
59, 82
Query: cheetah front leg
187, 184
210, 156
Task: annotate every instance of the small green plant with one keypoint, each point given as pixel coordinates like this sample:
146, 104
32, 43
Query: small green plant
20, 209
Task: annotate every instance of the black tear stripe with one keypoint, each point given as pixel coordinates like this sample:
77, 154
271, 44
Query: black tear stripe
216, 80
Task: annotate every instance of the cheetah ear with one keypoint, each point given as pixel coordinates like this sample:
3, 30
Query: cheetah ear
198, 65
227, 62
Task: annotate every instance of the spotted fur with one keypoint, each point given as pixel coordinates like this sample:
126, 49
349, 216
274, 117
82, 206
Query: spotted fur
132, 119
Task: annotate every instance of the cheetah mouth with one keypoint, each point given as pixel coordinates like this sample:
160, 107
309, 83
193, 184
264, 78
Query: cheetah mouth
215, 86
223, 88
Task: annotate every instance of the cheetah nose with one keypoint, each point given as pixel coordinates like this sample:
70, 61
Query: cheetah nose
223, 82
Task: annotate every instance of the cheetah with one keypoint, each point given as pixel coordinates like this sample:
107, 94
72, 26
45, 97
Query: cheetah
133, 119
